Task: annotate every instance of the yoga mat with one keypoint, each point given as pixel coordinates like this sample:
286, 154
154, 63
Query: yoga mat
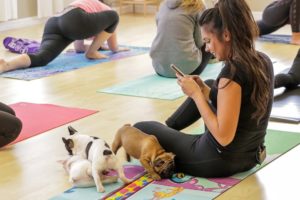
158, 87
286, 106
275, 38
69, 61
183, 186
38, 118
132, 171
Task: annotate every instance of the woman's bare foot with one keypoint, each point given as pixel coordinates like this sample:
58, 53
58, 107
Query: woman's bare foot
295, 38
95, 55
3, 66
121, 49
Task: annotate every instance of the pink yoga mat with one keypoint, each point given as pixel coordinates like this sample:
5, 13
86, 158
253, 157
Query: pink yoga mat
38, 118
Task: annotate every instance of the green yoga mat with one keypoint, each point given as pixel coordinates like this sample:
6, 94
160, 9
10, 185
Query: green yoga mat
158, 87
183, 186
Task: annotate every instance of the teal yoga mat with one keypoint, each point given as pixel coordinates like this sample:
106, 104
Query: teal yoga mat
183, 186
70, 61
158, 87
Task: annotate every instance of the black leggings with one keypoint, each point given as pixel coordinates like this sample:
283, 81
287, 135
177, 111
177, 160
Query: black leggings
196, 155
278, 14
75, 24
187, 113
10, 126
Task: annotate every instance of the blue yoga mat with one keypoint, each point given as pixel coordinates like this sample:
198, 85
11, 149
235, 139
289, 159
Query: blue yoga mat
158, 87
275, 38
70, 61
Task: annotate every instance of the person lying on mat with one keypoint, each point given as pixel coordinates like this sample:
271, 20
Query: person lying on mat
235, 110
287, 12
80, 20
178, 39
11, 126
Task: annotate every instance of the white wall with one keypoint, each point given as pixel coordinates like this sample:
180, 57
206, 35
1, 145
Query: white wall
27, 8
258, 5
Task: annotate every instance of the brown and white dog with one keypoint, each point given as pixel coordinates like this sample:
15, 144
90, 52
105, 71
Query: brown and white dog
97, 151
156, 161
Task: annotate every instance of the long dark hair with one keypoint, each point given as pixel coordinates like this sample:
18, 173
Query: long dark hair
236, 17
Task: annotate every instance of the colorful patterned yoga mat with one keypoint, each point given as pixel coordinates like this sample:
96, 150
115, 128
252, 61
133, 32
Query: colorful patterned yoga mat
181, 186
70, 61
158, 87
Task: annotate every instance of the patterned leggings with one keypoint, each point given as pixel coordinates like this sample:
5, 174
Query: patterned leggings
278, 14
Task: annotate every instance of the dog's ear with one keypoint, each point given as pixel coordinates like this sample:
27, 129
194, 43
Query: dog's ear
64, 140
172, 155
68, 142
158, 162
72, 131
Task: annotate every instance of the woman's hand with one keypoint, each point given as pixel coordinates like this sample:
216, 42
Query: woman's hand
190, 85
199, 81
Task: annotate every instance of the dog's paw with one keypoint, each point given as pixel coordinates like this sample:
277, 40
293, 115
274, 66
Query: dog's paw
126, 180
155, 177
101, 189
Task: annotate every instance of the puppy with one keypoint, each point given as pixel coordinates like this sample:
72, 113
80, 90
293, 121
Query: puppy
158, 163
80, 172
98, 152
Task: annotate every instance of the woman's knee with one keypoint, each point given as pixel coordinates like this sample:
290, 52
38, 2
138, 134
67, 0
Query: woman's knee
16, 128
11, 130
6, 108
147, 126
143, 124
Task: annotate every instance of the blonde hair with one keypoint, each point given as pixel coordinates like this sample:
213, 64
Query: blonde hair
192, 5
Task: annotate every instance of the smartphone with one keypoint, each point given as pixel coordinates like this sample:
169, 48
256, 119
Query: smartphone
178, 71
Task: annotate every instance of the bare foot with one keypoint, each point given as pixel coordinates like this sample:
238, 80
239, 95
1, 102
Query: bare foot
95, 55
3, 66
295, 38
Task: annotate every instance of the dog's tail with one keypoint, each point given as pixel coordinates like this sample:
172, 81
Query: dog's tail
128, 157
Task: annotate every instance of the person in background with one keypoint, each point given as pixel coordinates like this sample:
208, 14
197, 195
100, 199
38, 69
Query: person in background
178, 39
276, 15
82, 19
235, 110
279, 13
291, 79
10, 125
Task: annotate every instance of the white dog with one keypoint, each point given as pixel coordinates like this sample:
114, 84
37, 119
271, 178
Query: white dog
80, 172
98, 152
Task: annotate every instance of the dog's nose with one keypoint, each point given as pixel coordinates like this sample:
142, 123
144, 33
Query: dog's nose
107, 152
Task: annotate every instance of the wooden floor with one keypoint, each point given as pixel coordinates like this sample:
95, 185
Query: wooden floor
28, 169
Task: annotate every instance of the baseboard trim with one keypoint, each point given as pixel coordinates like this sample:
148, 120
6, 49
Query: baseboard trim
20, 23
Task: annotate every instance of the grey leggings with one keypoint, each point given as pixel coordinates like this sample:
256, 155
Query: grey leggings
76, 24
10, 125
278, 14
